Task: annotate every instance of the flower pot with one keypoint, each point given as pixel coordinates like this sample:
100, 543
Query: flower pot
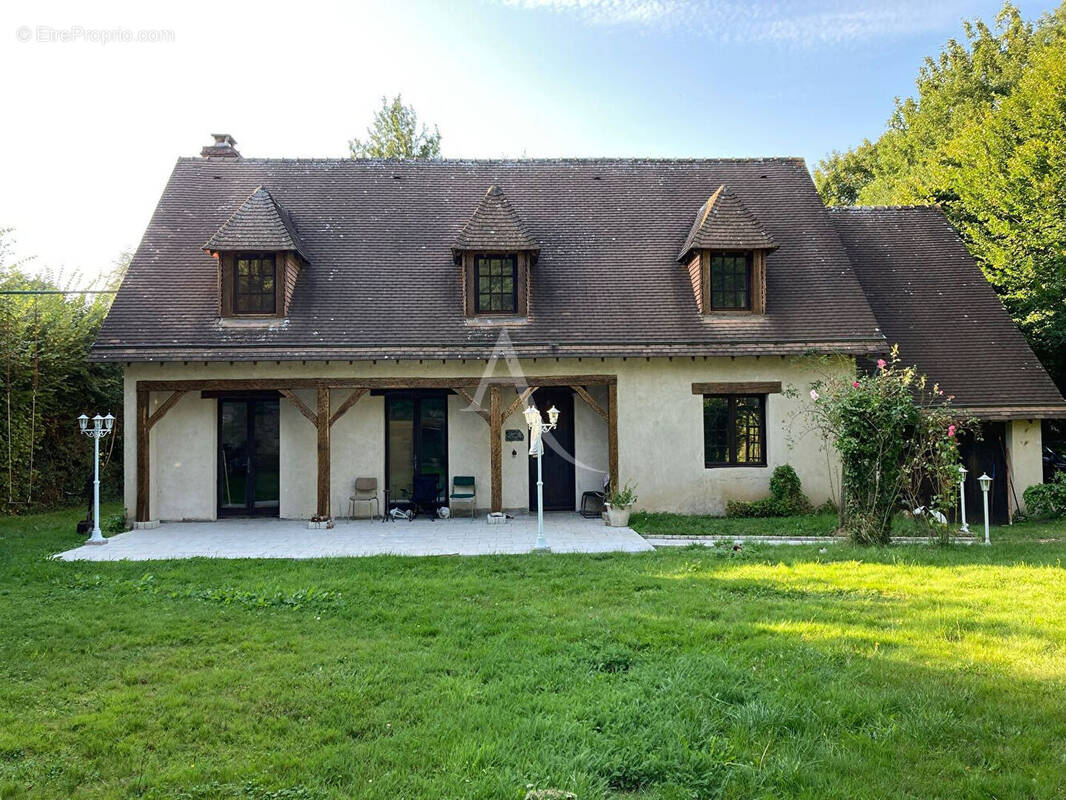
618, 517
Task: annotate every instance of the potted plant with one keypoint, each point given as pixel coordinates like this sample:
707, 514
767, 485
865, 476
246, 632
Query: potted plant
619, 504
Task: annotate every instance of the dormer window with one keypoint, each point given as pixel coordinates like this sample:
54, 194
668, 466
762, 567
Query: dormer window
496, 276
260, 257
255, 284
495, 252
730, 281
725, 254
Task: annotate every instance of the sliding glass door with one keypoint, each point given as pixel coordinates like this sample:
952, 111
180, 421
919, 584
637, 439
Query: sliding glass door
416, 440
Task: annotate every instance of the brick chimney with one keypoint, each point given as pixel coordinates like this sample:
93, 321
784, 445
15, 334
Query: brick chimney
225, 146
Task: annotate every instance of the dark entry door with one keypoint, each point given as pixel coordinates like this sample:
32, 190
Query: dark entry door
248, 457
416, 440
558, 453
989, 455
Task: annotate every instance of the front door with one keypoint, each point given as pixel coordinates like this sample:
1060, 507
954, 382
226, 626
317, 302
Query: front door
249, 467
558, 466
416, 440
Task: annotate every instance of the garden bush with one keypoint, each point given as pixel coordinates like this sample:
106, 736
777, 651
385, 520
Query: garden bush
786, 498
1047, 499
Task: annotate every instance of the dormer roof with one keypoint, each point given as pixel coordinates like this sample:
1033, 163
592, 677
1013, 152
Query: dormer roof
495, 225
259, 224
724, 223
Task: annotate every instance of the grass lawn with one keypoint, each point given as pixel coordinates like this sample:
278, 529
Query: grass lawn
919, 672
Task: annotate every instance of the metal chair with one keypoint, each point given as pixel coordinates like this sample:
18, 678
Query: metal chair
464, 490
366, 491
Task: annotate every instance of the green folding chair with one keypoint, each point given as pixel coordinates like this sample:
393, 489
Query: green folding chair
464, 490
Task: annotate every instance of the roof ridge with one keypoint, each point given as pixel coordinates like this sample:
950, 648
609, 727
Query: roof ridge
900, 207
545, 160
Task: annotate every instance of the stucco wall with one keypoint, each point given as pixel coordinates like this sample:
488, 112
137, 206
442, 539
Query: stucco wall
1025, 459
660, 434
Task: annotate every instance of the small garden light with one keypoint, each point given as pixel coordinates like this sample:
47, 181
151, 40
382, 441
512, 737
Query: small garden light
101, 427
986, 484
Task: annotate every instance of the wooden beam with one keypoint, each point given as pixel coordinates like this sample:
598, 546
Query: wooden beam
268, 384
292, 397
143, 464
463, 393
164, 408
612, 435
353, 398
751, 387
588, 398
496, 447
519, 402
323, 452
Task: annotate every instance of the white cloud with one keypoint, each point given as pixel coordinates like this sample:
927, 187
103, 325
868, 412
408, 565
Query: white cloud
794, 23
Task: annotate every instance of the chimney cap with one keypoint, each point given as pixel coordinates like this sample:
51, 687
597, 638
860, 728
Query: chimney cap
224, 146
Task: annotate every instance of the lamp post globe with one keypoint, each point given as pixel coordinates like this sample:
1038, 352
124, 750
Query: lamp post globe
100, 428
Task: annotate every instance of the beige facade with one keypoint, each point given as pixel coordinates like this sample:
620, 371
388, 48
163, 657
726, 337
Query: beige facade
660, 434
1024, 459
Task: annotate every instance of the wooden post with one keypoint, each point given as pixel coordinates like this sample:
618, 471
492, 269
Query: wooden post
322, 423
612, 435
143, 464
496, 447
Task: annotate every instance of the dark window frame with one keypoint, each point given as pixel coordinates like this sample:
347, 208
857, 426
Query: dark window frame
236, 293
478, 258
731, 431
749, 279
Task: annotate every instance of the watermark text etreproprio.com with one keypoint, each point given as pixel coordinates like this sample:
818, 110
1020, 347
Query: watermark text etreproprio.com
49, 34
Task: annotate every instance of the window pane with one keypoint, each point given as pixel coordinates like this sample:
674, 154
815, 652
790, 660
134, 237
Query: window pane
729, 281
715, 430
496, 278
749, 430
254, 285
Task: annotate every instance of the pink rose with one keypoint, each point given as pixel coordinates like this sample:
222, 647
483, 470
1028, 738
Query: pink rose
814, 394
854, 384
881, 363
951, 430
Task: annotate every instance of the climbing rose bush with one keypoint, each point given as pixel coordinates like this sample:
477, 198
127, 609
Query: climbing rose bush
898, 444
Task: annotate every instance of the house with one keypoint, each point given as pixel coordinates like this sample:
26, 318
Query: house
289, 325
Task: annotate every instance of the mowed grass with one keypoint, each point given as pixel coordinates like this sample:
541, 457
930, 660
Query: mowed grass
663, 524
919, 672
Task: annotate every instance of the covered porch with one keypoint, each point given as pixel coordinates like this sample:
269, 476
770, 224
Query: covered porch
326, 432
277, 538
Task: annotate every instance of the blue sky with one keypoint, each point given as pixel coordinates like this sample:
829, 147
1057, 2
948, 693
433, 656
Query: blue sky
103, 121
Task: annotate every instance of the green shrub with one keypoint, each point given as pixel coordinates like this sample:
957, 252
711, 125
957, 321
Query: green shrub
1047, 499
786, 498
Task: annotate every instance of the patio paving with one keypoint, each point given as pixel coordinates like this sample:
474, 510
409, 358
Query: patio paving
274, 538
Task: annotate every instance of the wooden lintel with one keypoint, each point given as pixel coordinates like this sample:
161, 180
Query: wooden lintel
353, 398
750, 387
471, 402
164, 408
496, 447
322, 423
143, 464
612, 436
277, 384
519, 401
588, 398
293, 398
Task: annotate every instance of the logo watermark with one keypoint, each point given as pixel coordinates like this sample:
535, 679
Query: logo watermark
79, 34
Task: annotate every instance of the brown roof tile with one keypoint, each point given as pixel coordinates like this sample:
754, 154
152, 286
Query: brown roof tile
933, 301
724, 223
495, 225
380, 234
259, 224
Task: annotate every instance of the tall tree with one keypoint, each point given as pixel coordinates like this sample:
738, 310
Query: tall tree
985, 137
395, 133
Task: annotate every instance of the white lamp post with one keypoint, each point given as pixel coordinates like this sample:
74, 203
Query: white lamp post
537, 428
101, 427
962, 497
986, 483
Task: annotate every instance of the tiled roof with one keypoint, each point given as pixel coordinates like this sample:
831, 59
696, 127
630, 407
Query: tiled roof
495, 225
933, 301
724, 223
383, 282
259, 224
